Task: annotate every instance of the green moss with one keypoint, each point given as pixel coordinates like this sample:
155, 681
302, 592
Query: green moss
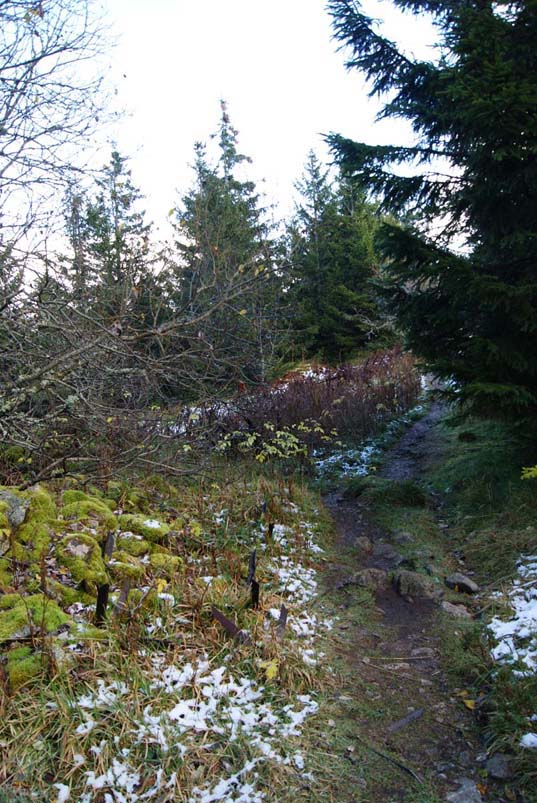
32, 537
114, 490
42, 505
6, 576
80, 631
138, 524
35, 613
133, 545
67, 595
13, 454
165, 564
4, 521
91, 508
73, 495
22, 666
124, 565
81, 554
32, 541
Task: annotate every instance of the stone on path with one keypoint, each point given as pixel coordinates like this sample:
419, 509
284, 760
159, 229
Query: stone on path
372, 579
412, 584
456, 610
460, 582
387, 555
467, 792
498, 766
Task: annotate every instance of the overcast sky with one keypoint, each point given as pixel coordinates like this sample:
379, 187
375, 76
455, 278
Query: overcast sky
273, 62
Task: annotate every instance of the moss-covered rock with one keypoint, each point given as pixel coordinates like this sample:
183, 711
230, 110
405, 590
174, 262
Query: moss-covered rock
73, 495
164, 564
13, 508
133, 544
22, 666
124, 565
81, 554
91, 508
22, 616
6, 575
67, 595
33, 536
149, 528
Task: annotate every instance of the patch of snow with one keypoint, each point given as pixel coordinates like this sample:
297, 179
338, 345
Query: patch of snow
64, 792
517, 636
153, 524
529, 740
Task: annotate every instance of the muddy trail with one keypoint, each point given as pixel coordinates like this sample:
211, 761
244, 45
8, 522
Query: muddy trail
408, 721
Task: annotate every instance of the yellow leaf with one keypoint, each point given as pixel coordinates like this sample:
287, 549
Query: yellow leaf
469, 704
271, 668
161, 585
109, 419
243, 312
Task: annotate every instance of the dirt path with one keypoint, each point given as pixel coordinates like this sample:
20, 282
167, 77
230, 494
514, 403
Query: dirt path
409, 721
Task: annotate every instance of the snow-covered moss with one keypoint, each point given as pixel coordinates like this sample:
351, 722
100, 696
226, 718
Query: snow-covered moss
124, 565
81, 554
150, 529
133, 544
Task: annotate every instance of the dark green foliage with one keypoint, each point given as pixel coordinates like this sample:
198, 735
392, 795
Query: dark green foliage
224, 277
467, 299
332, 262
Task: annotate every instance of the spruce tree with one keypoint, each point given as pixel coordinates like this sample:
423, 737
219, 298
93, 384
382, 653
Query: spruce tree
332, 262
463, 280
225, 273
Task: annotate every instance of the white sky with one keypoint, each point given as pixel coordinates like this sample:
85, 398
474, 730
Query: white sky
273, 62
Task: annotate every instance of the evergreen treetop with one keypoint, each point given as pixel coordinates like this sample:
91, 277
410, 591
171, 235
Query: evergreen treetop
467, 296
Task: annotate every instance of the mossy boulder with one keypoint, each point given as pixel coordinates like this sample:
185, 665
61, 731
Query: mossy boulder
164, 564
91, 508
67, 595
81, 554
33, 535
73, 495
124, 565
22, 616
133, 544
22, 666
149, 528
13, 508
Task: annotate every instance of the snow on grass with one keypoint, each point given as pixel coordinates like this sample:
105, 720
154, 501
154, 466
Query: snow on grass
516, 637
190, 703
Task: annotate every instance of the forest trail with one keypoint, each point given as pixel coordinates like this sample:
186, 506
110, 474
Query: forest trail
408, 721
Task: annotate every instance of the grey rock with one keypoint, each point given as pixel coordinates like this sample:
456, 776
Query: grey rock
373, 579
456, 610
386, 555
460, 582
402, 537
467, 792
498, 766
16, 507
412, 584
